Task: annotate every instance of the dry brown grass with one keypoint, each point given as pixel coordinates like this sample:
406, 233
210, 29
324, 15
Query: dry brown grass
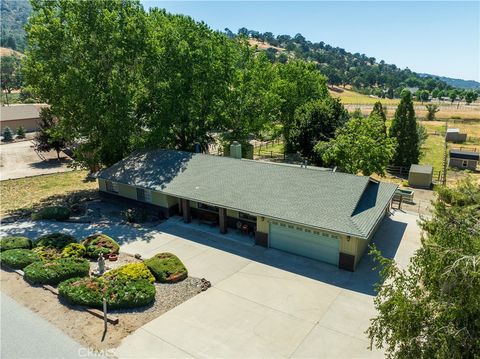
9, 52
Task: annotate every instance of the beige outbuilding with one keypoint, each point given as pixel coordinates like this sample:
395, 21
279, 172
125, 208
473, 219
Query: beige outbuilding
420, 176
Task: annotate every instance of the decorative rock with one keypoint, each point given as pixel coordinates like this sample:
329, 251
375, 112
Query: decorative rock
138, 256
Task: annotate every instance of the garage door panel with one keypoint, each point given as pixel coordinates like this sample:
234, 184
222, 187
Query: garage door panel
307, 244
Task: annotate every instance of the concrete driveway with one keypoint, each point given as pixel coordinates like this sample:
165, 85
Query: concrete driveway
18, 159
265, 303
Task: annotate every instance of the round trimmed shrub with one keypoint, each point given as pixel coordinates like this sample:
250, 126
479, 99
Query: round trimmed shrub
119, 293
19, 258
167, 268
132, 271
74, 250
55, 240
97, 244
58, 213
56, 271
7, 243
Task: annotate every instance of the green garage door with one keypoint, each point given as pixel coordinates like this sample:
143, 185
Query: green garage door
316, 245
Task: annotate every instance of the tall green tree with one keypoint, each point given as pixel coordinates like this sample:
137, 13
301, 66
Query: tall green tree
430, 308
49, 135
404, 130
298, 83
189, 71
316, 121
381, 112
10, 74
359, 146
85, 58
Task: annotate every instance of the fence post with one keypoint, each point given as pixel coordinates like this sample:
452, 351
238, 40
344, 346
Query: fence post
271, 154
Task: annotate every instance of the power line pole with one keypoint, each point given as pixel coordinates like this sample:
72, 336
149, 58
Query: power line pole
445, 149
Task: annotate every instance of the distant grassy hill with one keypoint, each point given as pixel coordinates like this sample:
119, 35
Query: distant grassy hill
459, 83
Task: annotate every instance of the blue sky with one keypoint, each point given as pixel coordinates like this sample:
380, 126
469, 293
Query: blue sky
437, 37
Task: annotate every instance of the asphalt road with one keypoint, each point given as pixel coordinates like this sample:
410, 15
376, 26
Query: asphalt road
26, 335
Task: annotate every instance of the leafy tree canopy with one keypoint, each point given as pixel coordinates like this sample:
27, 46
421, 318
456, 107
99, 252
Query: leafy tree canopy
430, 309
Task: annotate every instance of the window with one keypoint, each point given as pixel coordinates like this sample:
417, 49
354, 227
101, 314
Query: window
247, 216
207, 207
464, 163
144, 195
111, 187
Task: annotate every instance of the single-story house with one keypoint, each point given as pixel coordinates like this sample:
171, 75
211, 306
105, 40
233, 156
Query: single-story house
454, 135
26, 115
324, 215
420, 176
464, 159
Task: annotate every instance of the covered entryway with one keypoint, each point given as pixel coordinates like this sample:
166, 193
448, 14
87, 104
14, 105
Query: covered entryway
316, 245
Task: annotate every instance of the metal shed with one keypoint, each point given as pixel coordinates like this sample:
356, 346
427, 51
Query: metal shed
454, 135
420, 176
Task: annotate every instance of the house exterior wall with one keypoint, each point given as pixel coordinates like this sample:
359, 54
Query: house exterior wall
232, 213
458, 163
30, 124
101, 185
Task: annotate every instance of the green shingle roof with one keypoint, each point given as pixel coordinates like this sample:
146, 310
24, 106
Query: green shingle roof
328, 200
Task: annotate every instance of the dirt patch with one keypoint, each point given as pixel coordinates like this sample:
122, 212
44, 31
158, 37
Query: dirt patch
84, 327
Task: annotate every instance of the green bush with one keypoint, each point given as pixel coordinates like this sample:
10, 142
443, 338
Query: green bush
74, 250
21, 132
7, 134
56, 271
18, 258
56, 240
48, 253
119, 293
132, 271
7, 243
98, 243
167, 268
59, 213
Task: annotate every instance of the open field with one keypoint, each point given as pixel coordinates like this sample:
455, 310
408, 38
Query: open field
353, 100
27, 193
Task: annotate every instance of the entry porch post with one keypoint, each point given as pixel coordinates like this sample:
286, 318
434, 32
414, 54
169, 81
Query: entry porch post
187, 217
222, 219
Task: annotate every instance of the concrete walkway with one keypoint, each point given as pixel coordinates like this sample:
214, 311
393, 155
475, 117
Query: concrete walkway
263, 302
26, 335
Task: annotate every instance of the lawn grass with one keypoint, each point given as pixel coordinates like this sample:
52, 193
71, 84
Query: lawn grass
267, 150
27, 194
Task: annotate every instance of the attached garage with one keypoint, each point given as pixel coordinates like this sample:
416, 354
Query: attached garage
307, 243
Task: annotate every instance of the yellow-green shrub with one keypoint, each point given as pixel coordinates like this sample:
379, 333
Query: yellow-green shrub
132, 271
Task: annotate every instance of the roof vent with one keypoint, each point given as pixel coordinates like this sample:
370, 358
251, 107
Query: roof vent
236, 150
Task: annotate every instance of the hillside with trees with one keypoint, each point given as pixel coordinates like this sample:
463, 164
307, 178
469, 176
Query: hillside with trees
14, 15
365, 74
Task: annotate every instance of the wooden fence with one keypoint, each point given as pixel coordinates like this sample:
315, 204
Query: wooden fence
402, 172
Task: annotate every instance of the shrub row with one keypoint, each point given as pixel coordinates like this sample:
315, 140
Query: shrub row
58, 213
56, 271
18, 258
7, 243
119, 293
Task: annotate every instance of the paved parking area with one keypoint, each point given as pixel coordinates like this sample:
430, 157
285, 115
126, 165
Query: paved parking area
266, 303
18, 159
263, 302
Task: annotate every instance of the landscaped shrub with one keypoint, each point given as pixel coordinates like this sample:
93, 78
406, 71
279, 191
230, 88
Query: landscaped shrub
74, 250
135, 215
119, 293
18, 258
56, 240
59, 213
7, 134
56, 271
98, 243
131, 271
167, 268
21, 132
7, 243
48, 253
